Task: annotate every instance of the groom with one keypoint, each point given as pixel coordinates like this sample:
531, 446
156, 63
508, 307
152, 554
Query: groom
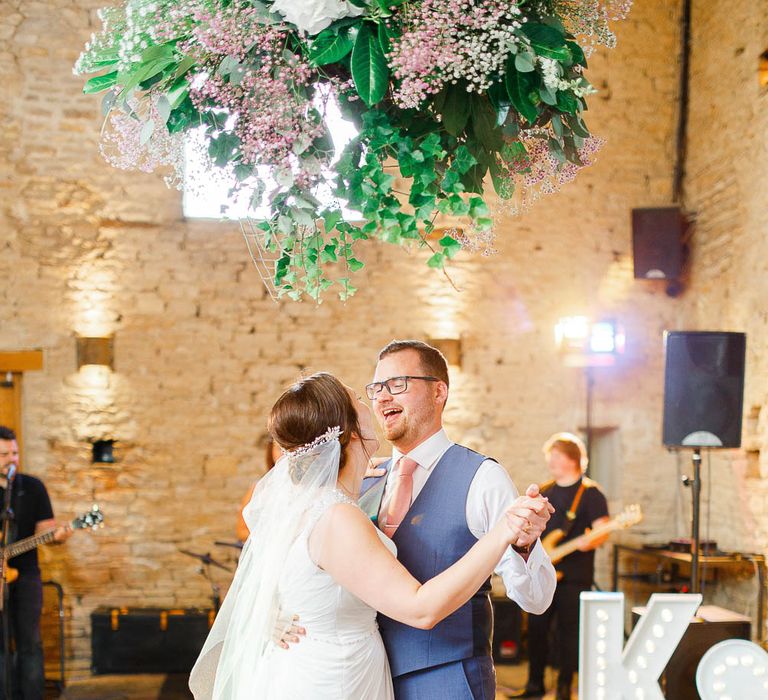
435, 500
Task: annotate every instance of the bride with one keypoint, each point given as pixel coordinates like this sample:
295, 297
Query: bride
313, 552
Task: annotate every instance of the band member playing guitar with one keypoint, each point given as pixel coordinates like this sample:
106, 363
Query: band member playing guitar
579, 507
32, 515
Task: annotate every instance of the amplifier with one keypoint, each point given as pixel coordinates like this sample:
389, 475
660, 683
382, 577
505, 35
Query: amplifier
147, 640
507, 621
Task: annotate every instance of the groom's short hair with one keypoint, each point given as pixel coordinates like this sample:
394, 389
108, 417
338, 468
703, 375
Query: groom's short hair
432, 360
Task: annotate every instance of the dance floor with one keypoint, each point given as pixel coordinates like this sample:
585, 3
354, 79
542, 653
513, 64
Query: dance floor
158, 687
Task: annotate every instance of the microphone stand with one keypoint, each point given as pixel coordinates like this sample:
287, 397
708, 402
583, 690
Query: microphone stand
6, 517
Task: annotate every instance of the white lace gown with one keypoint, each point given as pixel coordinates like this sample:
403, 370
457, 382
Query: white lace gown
342, 656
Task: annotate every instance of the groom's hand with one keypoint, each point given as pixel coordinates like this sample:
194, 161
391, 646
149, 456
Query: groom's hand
287, 631
541, 511
373, 467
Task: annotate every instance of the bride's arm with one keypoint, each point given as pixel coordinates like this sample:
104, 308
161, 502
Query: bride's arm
345, 544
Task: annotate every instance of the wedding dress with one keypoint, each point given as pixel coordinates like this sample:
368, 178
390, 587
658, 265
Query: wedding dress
342, 656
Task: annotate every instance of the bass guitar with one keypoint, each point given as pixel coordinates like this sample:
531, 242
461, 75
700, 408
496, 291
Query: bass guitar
91, 520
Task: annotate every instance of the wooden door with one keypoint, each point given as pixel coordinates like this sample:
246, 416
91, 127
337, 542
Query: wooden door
12, 366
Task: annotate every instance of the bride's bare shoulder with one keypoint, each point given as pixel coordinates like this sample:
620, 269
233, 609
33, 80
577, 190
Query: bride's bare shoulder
346, 520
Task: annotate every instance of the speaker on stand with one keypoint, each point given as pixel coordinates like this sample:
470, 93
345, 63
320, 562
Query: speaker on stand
703, 402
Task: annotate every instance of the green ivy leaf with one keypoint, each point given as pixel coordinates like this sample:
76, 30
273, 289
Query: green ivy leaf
450, 246
369, 67
463, 160
355, 264
329, 47
328, 254
436, 261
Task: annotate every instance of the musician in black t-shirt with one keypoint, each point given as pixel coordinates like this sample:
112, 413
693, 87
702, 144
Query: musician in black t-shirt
579, 506
32, 515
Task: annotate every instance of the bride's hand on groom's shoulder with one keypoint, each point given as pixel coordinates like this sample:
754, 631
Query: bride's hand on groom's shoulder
374, 464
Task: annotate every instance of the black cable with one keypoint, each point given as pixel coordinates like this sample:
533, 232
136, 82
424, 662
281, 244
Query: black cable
681, 136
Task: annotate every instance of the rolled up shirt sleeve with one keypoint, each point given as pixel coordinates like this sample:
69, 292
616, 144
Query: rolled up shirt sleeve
530, 584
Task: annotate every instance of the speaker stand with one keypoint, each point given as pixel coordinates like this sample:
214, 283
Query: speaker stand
695, 485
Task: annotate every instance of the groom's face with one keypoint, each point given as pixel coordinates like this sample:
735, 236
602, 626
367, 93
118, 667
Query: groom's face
409, 418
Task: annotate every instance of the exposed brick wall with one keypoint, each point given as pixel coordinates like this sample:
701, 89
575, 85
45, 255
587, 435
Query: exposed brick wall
202, 352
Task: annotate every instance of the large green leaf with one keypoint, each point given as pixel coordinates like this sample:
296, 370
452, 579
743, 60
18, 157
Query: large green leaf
143, 72
519, 86
543, 36
329, 47
369, 67
497, 94
567, 102
484, 123
100, 82
577, 53
455, 109
525, 62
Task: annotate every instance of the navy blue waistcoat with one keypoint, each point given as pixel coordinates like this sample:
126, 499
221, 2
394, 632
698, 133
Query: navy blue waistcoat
433, 536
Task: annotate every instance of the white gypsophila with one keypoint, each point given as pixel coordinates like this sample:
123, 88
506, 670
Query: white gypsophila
550, 72
312, 16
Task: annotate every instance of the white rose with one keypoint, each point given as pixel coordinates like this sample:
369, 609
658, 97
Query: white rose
312, 16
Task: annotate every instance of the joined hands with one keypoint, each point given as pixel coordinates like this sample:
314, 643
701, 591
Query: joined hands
528, 516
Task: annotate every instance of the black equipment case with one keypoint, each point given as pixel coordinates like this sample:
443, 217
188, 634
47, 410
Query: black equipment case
147, 640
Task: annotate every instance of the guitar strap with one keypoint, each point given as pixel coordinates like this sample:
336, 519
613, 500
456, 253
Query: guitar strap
570, 514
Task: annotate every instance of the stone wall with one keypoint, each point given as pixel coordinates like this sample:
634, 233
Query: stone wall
726, 166
202, 351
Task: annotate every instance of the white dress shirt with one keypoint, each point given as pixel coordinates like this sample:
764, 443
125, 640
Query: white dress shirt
531, 584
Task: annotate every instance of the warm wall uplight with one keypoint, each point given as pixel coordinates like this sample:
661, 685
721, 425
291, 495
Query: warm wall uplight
450, 347
762, 70
95, 360
95, 351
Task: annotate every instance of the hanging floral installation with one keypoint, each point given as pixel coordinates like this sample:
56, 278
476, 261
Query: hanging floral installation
449, 99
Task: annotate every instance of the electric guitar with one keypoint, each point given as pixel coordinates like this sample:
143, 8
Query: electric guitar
630, 516
92, 519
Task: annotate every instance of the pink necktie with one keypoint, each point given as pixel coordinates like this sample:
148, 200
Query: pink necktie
401, 497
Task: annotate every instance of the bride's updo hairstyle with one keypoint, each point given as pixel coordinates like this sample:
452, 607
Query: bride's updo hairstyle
311, 406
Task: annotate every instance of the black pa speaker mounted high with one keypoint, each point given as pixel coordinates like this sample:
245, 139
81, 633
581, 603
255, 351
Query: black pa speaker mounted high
658, 248
703, 388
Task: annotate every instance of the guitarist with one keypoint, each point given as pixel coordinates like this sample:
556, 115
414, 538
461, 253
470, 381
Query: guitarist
579, 505
32, 514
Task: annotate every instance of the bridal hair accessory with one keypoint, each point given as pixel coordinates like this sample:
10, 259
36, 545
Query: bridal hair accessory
299, 459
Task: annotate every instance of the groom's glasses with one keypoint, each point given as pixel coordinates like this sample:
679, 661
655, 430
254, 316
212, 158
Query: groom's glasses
394, 385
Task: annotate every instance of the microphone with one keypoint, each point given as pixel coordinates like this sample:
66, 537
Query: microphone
11, 472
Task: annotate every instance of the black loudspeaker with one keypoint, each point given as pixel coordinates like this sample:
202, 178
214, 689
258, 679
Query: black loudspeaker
657, 242
703, 388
